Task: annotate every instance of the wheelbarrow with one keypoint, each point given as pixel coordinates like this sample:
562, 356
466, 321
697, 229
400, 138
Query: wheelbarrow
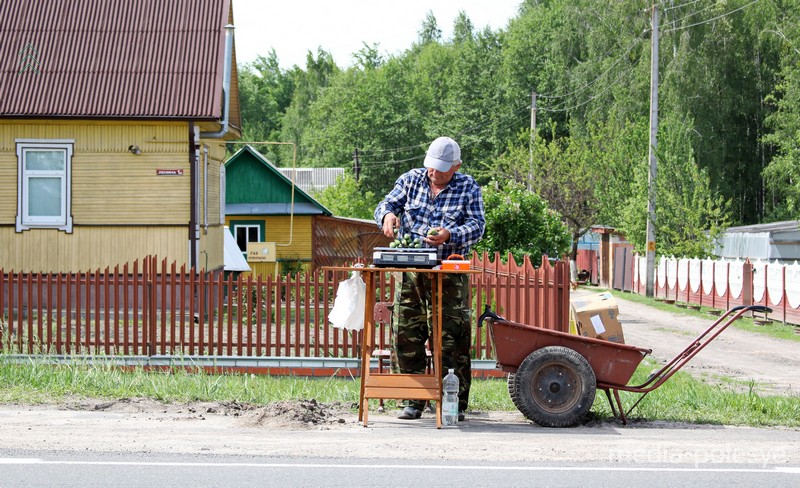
554, 376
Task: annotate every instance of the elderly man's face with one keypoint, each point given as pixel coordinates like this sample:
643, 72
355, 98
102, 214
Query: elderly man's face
441, 178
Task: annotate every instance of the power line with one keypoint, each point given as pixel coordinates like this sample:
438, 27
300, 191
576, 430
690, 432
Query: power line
394, 149
499, 123
390, 162
681, 5
587, 85
707, 7
559, 107
711, 19
475, 127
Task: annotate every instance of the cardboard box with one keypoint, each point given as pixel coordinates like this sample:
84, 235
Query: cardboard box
596, 316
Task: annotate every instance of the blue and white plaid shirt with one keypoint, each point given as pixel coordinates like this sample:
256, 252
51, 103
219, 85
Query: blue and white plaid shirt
458, 208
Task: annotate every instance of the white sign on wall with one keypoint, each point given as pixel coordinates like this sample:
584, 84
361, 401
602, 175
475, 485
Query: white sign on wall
261, 252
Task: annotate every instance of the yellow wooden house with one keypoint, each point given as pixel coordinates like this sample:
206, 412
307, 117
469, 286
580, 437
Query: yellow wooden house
113, 122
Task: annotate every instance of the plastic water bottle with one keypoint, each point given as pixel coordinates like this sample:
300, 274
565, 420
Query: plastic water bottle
450, 399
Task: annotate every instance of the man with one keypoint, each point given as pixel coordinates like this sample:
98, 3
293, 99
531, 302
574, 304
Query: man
445, 208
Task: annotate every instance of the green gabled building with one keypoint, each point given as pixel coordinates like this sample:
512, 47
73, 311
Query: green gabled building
263, 206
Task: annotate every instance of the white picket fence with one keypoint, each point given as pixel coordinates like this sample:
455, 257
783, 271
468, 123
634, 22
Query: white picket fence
724, 283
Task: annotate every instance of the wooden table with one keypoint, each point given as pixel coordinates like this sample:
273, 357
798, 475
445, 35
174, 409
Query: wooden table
423, 386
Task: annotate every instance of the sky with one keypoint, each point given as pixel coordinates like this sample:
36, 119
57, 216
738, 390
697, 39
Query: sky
294, 27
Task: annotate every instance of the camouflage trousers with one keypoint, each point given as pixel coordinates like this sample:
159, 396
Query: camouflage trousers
412, 326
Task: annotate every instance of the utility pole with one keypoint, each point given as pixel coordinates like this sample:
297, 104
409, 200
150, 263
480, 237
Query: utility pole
533, 137
356, 164
651, 179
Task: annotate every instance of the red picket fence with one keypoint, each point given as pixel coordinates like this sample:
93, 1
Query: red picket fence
152, 308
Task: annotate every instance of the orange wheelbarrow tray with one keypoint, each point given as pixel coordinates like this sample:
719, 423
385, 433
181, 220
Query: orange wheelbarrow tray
553, 376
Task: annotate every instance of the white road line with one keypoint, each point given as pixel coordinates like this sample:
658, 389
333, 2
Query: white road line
776, 469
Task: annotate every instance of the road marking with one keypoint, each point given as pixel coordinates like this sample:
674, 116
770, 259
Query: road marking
776, 469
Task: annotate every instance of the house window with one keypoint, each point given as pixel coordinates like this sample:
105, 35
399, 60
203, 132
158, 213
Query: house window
43, 184
245, 234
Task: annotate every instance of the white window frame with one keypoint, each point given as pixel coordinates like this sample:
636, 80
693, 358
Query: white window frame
248, 227
64, 220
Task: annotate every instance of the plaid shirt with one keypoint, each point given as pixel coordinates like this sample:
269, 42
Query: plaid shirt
458, 208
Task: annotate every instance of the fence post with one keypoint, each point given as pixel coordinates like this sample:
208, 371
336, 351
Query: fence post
747, 283
152, 269
784, 295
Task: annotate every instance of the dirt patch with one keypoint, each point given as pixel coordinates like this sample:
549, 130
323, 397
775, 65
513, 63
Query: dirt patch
303, 414
307, 413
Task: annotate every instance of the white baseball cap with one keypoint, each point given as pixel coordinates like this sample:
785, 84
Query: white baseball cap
442, 154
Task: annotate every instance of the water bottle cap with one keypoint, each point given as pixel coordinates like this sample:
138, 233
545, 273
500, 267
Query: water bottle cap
451, 370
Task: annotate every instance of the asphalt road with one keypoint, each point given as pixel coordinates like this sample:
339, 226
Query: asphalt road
140, 470
45, 446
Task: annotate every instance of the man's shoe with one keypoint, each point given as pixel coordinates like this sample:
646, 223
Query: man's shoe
461, 416
410, 413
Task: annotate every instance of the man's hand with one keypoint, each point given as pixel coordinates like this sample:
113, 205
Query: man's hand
390, 223
441, 236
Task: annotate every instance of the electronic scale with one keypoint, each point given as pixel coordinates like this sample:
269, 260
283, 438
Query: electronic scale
404, 257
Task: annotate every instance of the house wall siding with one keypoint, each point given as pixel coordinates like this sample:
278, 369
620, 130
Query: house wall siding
277, 230
121, 209
89, 248
212, 248
212, 241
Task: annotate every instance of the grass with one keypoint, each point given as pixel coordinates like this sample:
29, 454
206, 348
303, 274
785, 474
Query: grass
686, 399
776, 329
681, 399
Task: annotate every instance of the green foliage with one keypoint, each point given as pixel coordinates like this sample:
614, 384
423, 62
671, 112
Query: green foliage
783, 172
347, 199
519, 222
562, 172
309, 84
293, 266
265, 92
689, 216
728, 145
430, 31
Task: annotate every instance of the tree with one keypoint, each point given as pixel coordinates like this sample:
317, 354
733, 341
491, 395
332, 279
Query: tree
368, 56
347, 199
782, 173
689, 214
309, 86
265, 92
562, 172
429, 31
519, 222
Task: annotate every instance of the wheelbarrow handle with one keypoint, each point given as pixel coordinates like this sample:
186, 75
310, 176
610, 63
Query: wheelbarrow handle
751, 308
759, 308
487, 313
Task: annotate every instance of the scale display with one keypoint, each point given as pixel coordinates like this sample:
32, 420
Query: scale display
404, 257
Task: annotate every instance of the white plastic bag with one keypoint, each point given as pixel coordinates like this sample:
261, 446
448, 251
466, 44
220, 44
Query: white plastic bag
348, 307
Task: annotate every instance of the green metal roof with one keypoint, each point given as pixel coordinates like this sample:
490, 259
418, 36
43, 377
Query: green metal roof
251, 179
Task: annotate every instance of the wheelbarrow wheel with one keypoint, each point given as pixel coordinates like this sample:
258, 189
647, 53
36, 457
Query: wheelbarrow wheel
554, 387
512, 390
